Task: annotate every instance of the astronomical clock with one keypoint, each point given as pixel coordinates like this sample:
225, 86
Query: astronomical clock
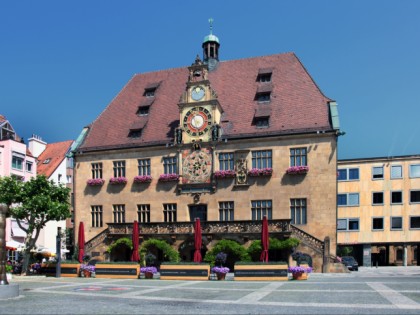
199, 128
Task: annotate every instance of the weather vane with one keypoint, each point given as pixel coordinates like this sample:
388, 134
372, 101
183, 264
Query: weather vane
211, 25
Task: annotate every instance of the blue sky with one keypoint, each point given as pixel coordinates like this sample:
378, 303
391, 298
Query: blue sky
73, 57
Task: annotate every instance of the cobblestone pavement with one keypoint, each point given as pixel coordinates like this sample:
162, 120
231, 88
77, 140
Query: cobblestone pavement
383, 290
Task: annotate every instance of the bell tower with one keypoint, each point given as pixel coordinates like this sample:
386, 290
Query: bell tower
211, 46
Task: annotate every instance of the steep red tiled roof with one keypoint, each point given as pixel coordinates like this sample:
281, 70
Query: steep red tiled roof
56, 152
297, 105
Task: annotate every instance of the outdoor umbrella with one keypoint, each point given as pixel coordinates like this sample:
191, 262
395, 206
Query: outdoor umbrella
135, 238
264, 240
197, 240
81, 240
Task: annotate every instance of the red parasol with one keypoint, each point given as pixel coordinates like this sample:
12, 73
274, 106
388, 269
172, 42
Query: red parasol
264, 240
197, 240
135, 238
81, 240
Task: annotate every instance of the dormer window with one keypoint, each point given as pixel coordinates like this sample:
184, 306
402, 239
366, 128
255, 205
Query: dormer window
264, 77
263, 97
149, 92
46, 161
143, 110
135, 133
262, 122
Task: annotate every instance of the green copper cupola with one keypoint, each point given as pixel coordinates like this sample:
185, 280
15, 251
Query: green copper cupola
211, 46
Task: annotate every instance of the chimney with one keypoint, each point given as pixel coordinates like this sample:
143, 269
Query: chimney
36, 145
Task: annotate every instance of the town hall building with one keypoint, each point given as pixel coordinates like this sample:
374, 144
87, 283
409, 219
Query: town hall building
225, 141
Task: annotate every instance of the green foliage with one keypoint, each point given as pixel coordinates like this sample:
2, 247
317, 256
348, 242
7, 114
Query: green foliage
10, 190
150, 259
344, 251
262, 263
254, 250
169, 254
235, 252
9, 268
116, 263
38, 201
124, 240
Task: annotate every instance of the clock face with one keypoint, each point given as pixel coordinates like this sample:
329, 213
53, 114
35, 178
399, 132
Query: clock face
197, 93
197, 121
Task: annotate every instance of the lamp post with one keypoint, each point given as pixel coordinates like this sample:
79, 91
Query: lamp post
3, 211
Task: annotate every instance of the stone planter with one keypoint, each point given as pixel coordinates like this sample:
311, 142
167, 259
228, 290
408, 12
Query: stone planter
67, 269
117, 271
185, 272
264, 272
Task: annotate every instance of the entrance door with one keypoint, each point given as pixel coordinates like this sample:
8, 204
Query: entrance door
198, 211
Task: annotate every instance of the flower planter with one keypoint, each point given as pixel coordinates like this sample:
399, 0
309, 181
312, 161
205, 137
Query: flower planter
86, 273
118, 180
224, 174
254, 172
300, 272
263, 272
185, 272
221, 276
117, 271
67, 269
297, 170
140, 179
148, 275
300, 276
95, 182
169, 178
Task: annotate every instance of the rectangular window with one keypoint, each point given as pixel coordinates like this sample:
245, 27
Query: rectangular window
414, 171
396, 197
350, 199
298, 211
378, 198
415, 196
169, 165
345, 174
378, 172
119, 213
143, 213
119, 168
396, 223
348, 224
262, 122
143, 110
264, 77
143, 167
396, 171
261, 208
377, 224
135, 133
261, 159
263, 97
96, 213
29, 167
17, 163
298, 157
414, 222
169, 212
96, 170
226, 161
226, 211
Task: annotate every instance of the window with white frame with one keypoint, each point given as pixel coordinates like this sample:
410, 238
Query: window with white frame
348, 199
396, 223
261, 159
119, 168
143, 213
143, 167
378, 172
377, 224
119, 213
29, 167
96, 214
226, 210
169, 165
169, 212
396, 197
377, 198
226, 161
96, 170
298, 211
346, 174
396, 171
17, 162
415, 171
298, 157
261, 208
348, 224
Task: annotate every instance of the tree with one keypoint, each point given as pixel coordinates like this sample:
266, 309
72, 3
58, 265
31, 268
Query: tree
38, 202
10, 190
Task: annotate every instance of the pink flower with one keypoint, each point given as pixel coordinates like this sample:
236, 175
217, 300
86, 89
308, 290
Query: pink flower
95, 182
118, 180
297, 170
168, 177
142, 179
